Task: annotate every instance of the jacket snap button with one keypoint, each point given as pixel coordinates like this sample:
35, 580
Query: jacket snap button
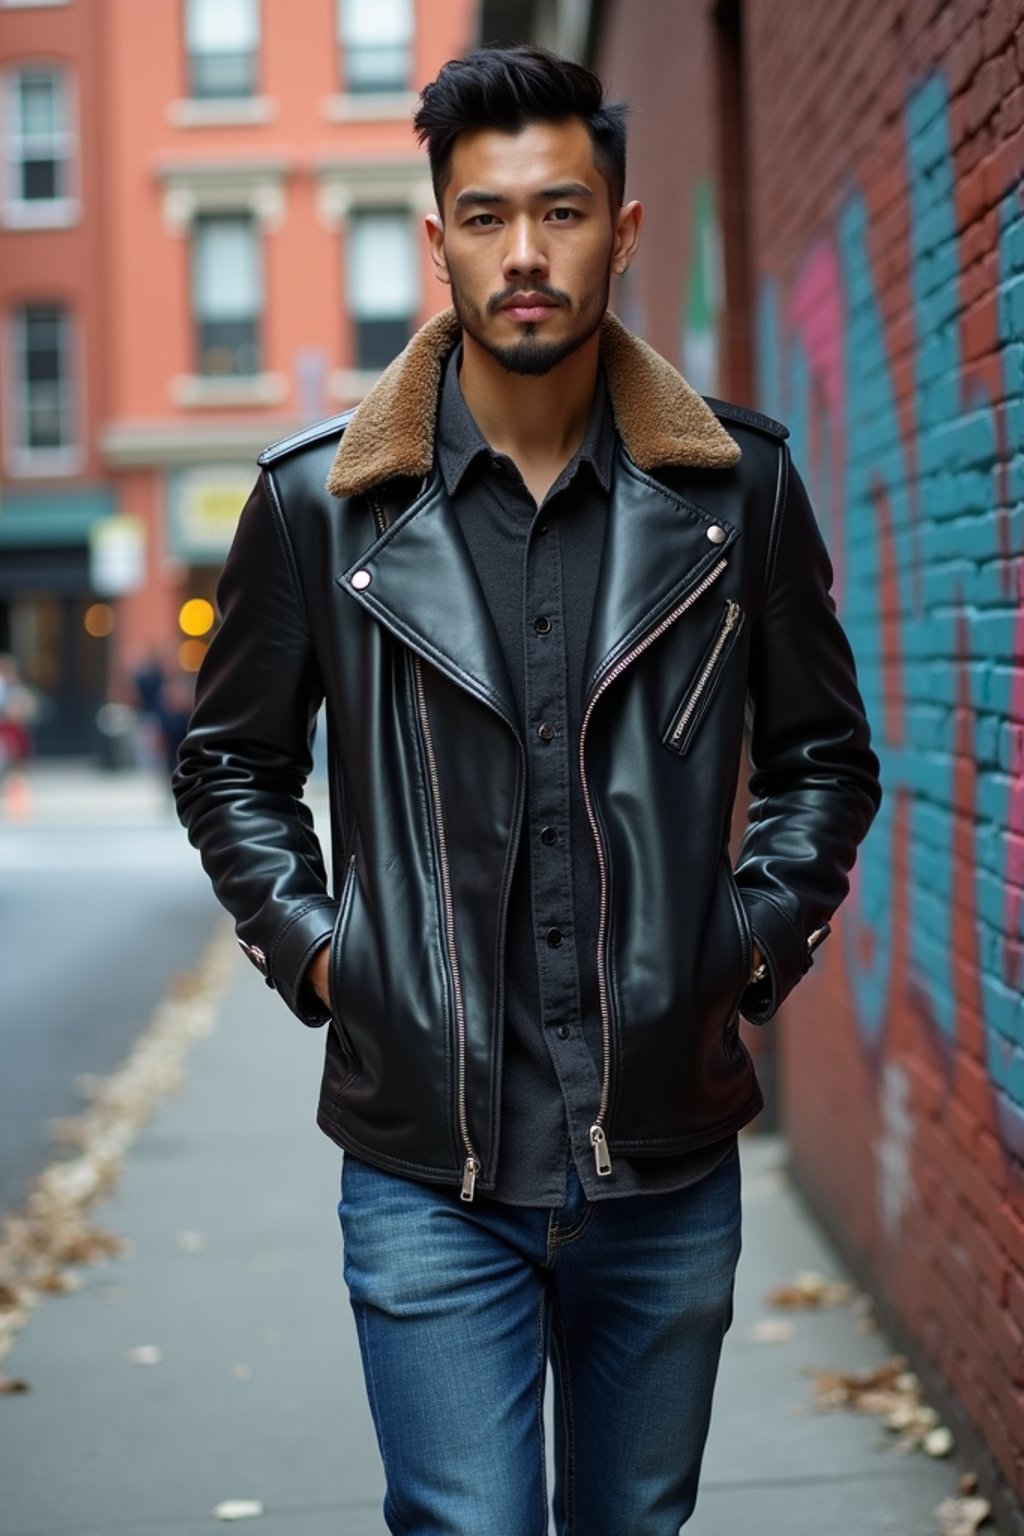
546, 732
542, 624
548, 835
554, 938
716, 534
564, 1031
361, 579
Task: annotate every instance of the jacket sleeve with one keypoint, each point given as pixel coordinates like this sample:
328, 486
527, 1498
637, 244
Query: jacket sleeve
815, 785
245, 759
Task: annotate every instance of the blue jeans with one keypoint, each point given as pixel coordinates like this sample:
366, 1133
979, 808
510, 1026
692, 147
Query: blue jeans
457, 1307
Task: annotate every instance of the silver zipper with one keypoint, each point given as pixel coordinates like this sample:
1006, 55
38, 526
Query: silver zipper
732, 613
378, 515
598, 1140
471, 1166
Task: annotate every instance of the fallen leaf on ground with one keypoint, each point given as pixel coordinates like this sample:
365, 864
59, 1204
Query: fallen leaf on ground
144, 1354
238, 1509
9, 1385
891, 1392
962, 1517
808, 1289
54, 1229
772, 1330
938, 1442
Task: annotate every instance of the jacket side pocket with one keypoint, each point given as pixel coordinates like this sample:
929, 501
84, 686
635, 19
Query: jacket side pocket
334, 962
698, 696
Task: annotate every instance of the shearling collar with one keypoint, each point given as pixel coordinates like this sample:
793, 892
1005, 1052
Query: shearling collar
662, 421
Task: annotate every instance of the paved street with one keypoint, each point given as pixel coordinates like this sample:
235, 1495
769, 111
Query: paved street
102, 902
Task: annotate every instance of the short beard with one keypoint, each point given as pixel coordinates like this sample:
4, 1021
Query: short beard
530, 356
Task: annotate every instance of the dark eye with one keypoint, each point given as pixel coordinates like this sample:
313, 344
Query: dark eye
563, 215
477, 219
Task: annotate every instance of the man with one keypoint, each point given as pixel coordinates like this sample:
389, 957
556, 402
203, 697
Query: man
542, 586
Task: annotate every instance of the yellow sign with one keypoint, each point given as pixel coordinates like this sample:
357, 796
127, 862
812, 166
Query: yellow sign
205, 503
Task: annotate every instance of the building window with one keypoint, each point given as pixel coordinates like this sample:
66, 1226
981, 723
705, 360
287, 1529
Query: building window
222, 38
376, 39
227, 287
44, 393
382, 284
39, 146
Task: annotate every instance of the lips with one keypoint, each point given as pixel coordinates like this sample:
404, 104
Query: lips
528, 307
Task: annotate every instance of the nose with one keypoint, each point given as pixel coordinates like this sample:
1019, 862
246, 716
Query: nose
524, 253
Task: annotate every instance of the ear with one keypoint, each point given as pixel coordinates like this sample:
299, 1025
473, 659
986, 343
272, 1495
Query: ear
627, 235
435, 239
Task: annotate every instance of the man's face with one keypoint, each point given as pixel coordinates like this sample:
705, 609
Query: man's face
528, 242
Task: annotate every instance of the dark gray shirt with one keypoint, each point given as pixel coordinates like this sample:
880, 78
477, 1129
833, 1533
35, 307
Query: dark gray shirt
538, 567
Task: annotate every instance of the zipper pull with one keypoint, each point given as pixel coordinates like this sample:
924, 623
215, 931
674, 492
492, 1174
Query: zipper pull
602, 1157
732, 614
470, 1170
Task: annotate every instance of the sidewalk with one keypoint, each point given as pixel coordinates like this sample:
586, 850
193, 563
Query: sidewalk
76, 791
228, 1197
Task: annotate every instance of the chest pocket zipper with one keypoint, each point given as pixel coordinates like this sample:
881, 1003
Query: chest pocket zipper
692, 710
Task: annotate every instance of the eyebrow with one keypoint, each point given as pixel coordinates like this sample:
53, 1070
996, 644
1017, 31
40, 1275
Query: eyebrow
478, 196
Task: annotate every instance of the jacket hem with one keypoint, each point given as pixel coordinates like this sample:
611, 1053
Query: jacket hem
660, 1148
671, 1146
349, 1143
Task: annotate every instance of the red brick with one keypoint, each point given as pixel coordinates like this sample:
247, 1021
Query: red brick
1003, 1334
1015, 1295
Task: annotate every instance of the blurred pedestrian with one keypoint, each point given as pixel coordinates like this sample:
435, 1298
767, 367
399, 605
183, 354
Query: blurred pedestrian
542, 586
19, 711
148, 686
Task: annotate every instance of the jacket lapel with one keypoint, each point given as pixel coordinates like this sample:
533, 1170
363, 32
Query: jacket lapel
419, 580
657, 548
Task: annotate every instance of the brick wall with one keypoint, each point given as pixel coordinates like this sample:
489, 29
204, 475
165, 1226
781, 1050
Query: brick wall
885, 213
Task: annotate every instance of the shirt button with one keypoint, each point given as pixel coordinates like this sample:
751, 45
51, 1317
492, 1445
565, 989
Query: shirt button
554, 937
546, 732
542, 527
548, 835
564, 1031
542, 624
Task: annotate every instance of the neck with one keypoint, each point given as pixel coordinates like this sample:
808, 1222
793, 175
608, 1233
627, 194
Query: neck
539, 421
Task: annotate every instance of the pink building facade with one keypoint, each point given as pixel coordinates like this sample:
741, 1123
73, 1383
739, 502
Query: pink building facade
258, 202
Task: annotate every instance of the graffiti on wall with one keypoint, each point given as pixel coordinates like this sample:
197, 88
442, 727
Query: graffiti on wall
908, 421
703, 299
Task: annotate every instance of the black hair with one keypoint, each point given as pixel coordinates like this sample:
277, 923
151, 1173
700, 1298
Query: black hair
509, 88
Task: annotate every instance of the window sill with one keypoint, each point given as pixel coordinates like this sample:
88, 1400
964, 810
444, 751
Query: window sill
197, 391
54, 464
221, 111
349, 385
373, 106
62, 213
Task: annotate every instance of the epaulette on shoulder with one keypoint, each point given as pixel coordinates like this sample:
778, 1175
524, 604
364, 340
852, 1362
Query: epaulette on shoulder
747, 418
319, 432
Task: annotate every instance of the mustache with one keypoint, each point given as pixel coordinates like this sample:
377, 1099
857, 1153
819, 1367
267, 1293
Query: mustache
515, 289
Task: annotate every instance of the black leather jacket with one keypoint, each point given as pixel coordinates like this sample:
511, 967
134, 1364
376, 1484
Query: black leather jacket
713, 605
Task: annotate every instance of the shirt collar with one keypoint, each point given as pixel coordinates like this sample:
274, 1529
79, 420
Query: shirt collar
460, 441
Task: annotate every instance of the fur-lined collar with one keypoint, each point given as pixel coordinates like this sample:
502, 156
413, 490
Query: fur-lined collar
660, 418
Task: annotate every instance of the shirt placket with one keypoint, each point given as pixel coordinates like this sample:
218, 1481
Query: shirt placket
550, 761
